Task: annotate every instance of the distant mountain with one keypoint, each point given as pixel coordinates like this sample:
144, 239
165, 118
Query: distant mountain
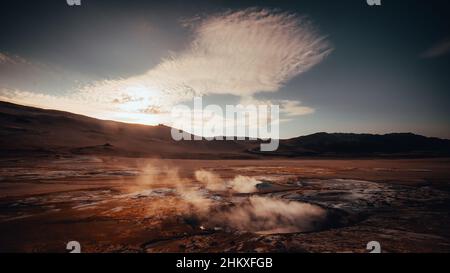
345, 144
28, 131
34, 131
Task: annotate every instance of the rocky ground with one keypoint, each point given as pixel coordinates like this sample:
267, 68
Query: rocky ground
143, 205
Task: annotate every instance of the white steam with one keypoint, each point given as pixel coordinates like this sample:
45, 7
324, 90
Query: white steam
269, 215
213, 182
259, 214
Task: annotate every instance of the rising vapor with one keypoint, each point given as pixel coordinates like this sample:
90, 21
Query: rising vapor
260, 214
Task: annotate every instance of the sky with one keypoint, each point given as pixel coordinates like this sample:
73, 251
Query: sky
331, 66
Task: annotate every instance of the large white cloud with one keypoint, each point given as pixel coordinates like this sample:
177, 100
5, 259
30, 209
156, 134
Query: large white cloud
243, 53
239, 53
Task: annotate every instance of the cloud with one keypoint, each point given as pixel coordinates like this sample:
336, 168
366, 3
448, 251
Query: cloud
437, 50
7, 59
290, 108
83, 104
239, 53
243, 53
294, 108
64, 103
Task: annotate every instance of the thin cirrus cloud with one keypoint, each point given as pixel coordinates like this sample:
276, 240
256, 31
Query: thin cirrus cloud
437, 50
289, 108
239, 53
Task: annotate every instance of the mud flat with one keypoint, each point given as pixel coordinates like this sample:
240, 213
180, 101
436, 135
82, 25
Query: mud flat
112, 204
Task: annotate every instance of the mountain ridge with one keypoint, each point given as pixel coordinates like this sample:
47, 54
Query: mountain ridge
26, 130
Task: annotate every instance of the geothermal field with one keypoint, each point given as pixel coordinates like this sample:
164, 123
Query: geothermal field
118, 204
225, 127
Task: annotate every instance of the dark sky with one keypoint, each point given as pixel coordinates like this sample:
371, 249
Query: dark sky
388, 72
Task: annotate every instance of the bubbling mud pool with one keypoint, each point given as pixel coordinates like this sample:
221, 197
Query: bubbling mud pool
242, 204
264, 215
309, 205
